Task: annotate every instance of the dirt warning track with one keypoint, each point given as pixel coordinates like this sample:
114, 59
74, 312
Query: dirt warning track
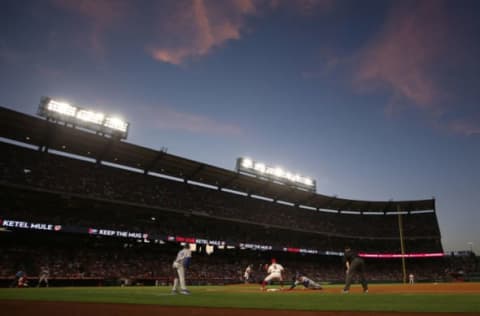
21, 308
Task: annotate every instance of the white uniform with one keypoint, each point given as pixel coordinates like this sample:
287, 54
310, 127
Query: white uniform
274, 271
411, 278
247, 273
43, 277
183, 256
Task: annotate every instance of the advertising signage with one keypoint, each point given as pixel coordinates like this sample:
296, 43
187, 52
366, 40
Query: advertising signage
13, 224
29, 225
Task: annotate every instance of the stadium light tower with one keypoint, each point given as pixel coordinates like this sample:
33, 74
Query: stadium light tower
275, 174
95, 121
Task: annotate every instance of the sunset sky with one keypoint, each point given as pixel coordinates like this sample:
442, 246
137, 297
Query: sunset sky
376, 100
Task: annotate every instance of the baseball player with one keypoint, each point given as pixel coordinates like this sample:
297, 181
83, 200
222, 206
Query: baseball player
354, 264
20, 275
275, 271
180, 264
22, 281
301, 279
44, 273
247, 273
411, 278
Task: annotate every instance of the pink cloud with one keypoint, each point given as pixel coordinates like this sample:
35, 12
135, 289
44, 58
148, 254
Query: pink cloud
170, 119
421, 48
194, 28
402, 55
183, 29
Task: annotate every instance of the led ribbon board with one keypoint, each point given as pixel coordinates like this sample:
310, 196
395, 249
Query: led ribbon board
152, 237
399, 255
276, 174
92, 120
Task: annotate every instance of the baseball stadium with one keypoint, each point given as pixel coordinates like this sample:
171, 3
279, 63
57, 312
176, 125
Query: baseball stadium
90, 224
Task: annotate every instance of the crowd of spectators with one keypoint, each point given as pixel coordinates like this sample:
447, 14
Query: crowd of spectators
21, 166
103, 259
75, 212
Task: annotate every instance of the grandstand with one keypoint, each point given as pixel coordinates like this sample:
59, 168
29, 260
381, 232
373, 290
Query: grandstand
70, 187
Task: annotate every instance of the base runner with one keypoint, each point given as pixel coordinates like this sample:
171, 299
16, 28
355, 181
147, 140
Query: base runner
301, 279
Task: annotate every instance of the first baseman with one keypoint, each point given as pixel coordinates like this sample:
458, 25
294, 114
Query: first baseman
275, 271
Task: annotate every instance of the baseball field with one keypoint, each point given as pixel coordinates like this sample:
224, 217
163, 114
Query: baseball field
382, 299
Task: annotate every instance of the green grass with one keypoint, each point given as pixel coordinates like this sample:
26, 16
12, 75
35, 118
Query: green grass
237, 297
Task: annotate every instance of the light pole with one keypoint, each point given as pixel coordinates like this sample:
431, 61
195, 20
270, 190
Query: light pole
470, 243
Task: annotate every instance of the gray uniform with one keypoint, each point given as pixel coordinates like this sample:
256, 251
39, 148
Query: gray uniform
181, 262
306, 282
44, 274
356, 265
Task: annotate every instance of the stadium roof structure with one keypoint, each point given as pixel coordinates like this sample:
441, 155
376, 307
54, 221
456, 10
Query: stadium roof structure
43, 134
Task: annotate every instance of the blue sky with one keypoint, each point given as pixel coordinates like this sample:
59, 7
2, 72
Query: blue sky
376, 100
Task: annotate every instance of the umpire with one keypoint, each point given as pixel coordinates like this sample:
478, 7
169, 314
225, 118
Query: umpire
354, 264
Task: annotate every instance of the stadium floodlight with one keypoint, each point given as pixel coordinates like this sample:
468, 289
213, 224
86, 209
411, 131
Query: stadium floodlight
116, 123
61, 108
90, 116
260, 167
278, 174
308, 181
79, 117
247, 163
